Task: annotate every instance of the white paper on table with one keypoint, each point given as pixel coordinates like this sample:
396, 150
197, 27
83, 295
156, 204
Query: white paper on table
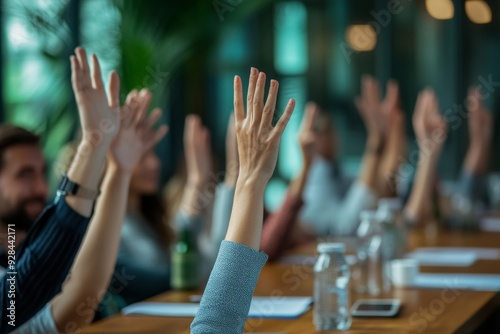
261, 307
481, 282
490, 224
440, 258
162, 309
479, 253
279, 307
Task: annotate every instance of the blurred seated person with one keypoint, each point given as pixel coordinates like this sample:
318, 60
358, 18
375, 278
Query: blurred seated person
23, 185
327, 213
463, 205
472, 182
143, 264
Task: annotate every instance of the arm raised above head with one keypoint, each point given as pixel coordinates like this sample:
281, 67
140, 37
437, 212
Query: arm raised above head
226, 301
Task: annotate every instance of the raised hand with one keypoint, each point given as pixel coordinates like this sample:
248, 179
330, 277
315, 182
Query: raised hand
197, 151
137, 134
390, 104
99, 114
395, 144
369, 107
430, 127
394, 118
258, 140
430, 130
306, 134
480, 134
232, 160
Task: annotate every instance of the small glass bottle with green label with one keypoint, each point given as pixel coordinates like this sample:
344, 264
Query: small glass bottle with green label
184, 275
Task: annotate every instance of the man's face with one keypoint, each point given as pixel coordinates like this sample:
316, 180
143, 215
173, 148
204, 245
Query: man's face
23, 187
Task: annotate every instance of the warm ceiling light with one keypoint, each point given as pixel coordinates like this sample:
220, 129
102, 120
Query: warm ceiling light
440, 9
361, 37
478, 11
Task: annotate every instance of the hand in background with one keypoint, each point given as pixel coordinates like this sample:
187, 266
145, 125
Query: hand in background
258, 140
396, 142
197, 151
198, 163
369, 107
430, 130
306, 132
430, 127
232, 160
137, 134
99, 114
480, 134
396, 134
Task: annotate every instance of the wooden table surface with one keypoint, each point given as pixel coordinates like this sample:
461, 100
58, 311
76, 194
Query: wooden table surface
424, 310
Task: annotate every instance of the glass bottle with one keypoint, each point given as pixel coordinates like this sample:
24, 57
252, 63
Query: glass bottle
331, 295
184, 275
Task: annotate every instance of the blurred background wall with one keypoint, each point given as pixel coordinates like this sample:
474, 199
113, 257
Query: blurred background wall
187, 52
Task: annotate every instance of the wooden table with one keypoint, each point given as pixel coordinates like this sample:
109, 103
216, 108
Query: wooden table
424, 310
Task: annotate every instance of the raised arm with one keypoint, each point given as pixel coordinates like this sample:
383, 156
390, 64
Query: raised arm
279, 226
396, 141
369, 107
197, 151
226, 301
94, 264
480, 134
431, 131
100, 120
40, 265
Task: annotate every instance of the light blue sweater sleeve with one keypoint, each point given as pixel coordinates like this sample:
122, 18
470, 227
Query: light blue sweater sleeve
41, 323
225, 304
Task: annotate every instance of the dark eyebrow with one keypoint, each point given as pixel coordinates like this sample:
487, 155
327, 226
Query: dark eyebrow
25, 169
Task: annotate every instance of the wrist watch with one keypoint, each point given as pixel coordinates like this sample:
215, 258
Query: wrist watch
68, 187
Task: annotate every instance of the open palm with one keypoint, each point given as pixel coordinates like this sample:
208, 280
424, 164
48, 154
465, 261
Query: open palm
258, 140
99, 113
430, 127
137, 134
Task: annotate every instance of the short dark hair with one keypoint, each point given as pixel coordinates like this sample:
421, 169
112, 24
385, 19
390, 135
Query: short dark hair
11, 135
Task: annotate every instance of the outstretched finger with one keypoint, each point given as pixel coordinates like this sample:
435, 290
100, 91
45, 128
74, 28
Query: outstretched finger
114, 92
392, 96
309, 117
252, 82
287, 114
258, 98
128, 109
270, 107
474, 103
373, 90
76, 76
84, 67
96, 73
144, 99
153, 118
239, 110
